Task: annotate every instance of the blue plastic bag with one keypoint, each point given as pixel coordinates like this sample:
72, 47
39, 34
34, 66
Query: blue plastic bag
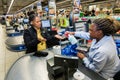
70, 50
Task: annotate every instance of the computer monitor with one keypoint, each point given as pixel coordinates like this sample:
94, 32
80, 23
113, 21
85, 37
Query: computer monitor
71, 61
25, 20
46, 23
81, 26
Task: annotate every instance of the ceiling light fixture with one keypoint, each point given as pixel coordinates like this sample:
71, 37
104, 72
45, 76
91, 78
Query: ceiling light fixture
10, 6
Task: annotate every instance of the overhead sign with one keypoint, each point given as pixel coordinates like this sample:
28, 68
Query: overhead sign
52, 7
39, 6
52, 12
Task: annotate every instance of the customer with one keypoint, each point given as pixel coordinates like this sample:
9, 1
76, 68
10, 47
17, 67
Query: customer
102, 56
34, 39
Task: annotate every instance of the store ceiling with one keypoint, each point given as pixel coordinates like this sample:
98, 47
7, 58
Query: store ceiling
19, 4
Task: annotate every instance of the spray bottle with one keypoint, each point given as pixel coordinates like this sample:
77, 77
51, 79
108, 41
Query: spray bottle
72, 39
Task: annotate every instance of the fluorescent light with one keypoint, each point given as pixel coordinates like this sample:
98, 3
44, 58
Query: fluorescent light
10, 6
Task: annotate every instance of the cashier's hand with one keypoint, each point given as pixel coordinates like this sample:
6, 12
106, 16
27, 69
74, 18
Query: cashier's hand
59, 37
80, 55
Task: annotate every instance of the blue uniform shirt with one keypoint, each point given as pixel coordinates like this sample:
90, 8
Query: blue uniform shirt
102, 56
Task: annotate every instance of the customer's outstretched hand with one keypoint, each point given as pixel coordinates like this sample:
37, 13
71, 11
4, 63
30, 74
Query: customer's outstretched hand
68, 32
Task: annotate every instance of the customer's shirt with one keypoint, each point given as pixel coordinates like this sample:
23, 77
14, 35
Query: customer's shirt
42, 44
102, 56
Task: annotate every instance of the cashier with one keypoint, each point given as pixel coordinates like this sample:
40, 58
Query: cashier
102, 56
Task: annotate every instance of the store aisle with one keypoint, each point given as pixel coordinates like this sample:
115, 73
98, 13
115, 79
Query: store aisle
7, 58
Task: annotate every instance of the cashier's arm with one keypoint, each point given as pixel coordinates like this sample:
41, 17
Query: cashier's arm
97, 63
81, 34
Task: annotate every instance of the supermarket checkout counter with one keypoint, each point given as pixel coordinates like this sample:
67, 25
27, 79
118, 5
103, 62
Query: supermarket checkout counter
15, 43
9, 28
29, 67
11, 33
74, 62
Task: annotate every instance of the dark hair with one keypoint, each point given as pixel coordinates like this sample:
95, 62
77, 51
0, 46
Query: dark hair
109, 26
30, 13
32, 17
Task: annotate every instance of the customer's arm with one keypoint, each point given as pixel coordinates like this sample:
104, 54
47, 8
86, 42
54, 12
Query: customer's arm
52, 35
30, 39
59, 37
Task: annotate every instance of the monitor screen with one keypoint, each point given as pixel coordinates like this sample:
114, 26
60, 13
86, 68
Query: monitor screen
46, 9
25, 20
80, 26
46, 23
